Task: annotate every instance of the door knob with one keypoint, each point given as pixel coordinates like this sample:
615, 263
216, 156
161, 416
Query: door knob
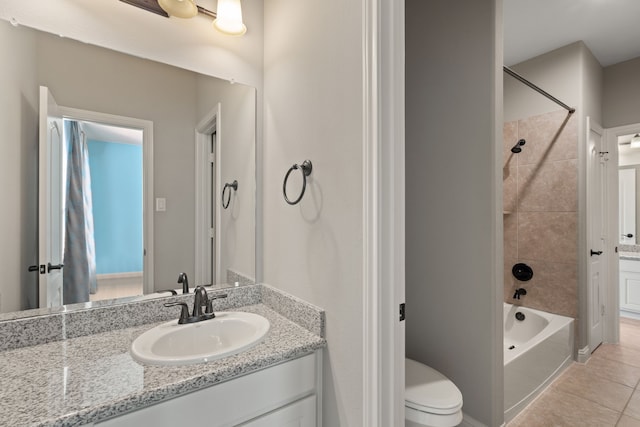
54, 267
595, 252
629, 235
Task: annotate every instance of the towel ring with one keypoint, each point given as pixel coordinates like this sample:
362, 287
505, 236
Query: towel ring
234, 186
306, 171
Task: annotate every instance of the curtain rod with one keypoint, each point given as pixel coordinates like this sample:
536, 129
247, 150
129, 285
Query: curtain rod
537, 89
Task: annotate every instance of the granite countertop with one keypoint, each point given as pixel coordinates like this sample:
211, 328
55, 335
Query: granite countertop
91, 378
634, 256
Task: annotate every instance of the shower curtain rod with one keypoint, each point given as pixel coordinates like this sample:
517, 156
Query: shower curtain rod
537, 89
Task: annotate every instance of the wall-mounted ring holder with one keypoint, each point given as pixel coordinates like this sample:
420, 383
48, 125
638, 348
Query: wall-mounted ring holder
233, 186
305, 167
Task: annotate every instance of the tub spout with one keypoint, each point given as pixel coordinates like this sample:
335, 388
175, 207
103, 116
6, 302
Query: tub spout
519, 292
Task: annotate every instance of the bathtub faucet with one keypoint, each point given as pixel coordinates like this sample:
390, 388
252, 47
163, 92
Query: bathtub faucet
519, 292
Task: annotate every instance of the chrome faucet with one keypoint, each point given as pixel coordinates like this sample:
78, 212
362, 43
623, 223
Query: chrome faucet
182, 278
200, 299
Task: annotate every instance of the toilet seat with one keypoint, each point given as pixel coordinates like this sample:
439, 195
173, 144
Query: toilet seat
428, 391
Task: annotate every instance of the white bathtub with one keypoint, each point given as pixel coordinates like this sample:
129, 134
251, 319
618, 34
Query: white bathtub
536, 350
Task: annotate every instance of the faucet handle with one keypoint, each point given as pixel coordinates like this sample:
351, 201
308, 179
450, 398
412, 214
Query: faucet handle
184, 313
210, 302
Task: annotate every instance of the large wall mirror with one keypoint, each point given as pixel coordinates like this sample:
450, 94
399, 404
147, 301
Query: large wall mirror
171, 160
628, 188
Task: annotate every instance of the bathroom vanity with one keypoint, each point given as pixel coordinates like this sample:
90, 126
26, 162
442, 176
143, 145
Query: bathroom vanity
630, 284
92, 379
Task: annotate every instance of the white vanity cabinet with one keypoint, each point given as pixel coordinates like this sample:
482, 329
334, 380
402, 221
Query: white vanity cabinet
284, 395
630, 287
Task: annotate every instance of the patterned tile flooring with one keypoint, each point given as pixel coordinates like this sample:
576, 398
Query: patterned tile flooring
604, 392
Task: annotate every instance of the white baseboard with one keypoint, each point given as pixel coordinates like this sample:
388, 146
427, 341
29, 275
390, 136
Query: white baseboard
630, 314
584, 354
468, 421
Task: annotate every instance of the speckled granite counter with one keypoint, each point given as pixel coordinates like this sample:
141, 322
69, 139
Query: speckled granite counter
633, 256
90, 378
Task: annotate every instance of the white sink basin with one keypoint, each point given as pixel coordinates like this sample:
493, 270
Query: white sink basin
226, 334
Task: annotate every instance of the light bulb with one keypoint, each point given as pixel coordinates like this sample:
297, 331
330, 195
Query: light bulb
229, 18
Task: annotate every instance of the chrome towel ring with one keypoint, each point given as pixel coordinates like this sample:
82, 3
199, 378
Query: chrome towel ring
234, 186
305, 167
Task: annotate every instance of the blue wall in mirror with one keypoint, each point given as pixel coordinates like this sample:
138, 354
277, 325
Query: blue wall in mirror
116, 186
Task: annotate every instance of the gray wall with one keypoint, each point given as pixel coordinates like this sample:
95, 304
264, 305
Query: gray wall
621, 101
313, 110
453, 210
18, 170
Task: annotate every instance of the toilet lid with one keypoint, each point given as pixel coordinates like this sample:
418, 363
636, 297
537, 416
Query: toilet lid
428, 390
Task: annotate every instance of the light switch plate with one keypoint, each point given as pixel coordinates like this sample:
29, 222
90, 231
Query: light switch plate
161, 204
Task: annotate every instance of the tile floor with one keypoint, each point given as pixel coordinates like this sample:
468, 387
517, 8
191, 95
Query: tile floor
604, 392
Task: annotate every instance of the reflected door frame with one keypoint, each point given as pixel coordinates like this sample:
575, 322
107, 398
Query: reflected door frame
147, 178
207, 179
612, 310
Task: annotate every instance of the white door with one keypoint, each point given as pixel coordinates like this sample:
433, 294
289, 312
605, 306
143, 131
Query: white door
50, 197
596, 230
627, 208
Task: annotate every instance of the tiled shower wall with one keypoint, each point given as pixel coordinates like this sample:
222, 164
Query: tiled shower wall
541, 211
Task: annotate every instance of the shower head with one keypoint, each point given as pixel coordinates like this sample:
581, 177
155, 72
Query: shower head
516, 148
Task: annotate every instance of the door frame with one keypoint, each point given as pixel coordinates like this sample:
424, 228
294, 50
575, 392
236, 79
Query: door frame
147, 178
210, 123
383, 213
612, 309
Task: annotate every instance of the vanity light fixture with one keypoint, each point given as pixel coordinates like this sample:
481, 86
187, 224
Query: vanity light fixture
635, 141
227, 19
179, 8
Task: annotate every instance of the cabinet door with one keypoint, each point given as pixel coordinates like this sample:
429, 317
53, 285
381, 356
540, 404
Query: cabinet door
630, 291
298, 414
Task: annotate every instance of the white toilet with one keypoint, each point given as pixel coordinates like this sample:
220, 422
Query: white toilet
430, 398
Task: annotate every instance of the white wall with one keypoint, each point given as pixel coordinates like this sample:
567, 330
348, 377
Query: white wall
187, 43
18, 171
454, 202
621, 105
313, 110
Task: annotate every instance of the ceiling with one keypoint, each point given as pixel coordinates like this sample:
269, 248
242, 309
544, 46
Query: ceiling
610, 28
108, 133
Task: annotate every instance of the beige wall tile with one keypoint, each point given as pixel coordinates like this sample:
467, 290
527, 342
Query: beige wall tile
548, 236
510, 235
509, 137
509, 189
549, 186
553, 287
547, 139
